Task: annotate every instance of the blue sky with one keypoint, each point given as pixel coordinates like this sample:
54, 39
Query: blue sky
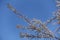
40, 9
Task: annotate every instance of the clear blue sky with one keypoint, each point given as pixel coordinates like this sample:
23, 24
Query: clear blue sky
40, 9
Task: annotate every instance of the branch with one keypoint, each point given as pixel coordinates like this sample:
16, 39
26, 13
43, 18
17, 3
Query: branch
18, 14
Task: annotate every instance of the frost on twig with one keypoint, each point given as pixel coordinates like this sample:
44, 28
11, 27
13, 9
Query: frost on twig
35, 24
18, 14
33, 36
58, 3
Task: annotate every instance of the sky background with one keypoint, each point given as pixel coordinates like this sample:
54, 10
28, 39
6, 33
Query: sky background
40, 9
